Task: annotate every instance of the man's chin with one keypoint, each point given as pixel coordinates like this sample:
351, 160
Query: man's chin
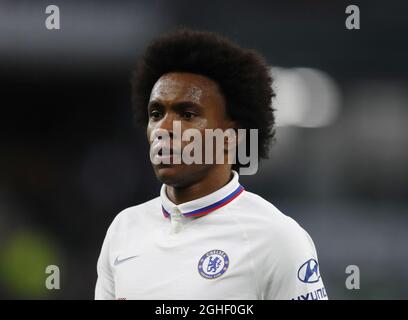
171, 175
180, 175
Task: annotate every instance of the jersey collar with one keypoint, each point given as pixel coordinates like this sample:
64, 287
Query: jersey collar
204, 205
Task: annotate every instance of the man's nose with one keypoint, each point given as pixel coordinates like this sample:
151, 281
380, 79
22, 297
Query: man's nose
167, 124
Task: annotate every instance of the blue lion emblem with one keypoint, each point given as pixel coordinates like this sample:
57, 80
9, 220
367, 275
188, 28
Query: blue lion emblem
213, 264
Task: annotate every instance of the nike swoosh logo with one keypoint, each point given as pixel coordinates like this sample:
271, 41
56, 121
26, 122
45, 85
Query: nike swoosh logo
117, 261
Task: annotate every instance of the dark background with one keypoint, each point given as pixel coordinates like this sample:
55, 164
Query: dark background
71, 159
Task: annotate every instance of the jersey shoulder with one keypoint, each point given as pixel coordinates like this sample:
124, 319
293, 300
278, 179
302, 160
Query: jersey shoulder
279, 245
135, 215
263, 218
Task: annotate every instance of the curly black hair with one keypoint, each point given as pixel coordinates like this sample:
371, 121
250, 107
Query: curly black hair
242, 74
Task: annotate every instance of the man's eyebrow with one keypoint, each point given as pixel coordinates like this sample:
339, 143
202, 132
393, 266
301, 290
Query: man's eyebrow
154, 104
181, 105
187, 104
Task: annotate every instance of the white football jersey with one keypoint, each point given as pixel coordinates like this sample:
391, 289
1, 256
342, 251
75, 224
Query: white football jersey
231, 244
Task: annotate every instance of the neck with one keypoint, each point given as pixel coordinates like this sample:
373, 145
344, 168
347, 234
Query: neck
213, 181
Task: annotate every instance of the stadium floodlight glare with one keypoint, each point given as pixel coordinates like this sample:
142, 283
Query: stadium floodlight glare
305, 97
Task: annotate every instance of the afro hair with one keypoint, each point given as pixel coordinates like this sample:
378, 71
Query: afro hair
242, 75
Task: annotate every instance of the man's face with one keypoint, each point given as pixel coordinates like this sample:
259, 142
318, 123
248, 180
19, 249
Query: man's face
197, 103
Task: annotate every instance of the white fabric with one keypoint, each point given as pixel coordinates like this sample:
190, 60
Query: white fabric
148, 256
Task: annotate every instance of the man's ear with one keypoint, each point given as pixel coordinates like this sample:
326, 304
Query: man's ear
231, 136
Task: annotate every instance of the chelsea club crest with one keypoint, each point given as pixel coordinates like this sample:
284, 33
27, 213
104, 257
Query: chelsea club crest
213, 264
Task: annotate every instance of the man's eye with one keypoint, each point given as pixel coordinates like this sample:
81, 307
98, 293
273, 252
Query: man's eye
155, 114
187, 115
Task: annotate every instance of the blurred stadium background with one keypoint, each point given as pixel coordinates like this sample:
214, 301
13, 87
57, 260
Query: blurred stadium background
71, 160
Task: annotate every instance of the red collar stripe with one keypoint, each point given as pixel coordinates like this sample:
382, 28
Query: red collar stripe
212, 207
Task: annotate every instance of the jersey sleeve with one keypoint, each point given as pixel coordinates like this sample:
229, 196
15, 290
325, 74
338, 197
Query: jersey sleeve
291, 269
105, 286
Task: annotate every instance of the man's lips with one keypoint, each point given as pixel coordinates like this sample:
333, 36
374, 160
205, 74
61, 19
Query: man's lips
163, 149
169, 152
